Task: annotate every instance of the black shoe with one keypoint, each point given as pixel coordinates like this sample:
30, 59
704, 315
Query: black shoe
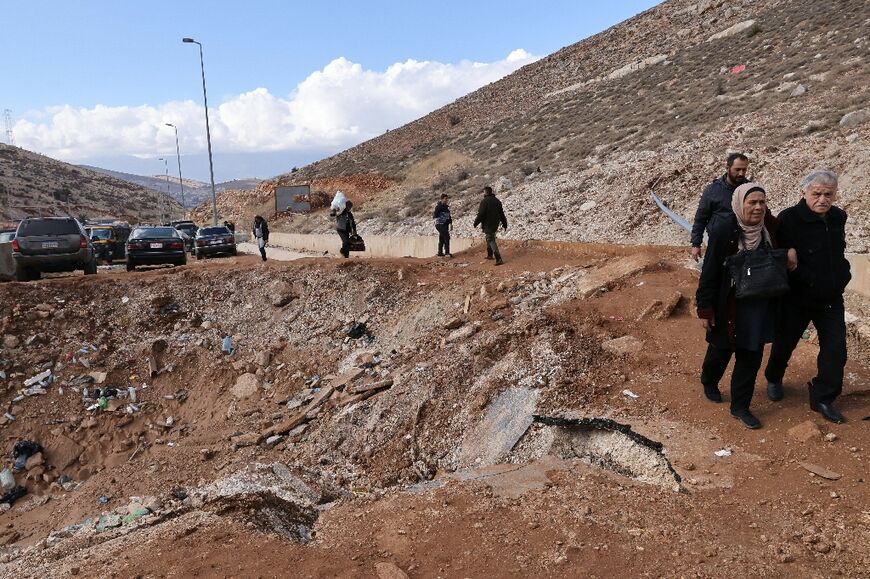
498, 261
828, 411
774, 391
746, 417
439, 255
489, 257
712, 393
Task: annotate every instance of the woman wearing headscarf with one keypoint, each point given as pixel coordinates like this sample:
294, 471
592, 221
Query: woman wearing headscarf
260, 232
736, 326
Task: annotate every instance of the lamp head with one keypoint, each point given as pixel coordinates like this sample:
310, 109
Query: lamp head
169, 125
188, 40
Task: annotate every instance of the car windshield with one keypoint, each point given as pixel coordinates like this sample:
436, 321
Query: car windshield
101, 233
214, 231
153, 232
186, 227
48, 227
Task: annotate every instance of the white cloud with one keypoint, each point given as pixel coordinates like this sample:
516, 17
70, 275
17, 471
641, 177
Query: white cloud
336, 107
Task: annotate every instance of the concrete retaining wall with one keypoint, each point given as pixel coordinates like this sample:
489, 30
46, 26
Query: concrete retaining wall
7, 264
376, 245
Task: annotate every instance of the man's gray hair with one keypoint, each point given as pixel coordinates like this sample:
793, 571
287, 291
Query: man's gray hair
823, 177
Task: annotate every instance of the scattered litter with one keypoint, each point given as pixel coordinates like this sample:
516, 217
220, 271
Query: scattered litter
23, 450
13, 495
180, 395
131, 392
7, 479
171, 308
8, 417
227, 346
629, 393
125, 299
104, 499
723, 452
738, 69
2, 375
356, 331
42, 378
617, 318
34, 390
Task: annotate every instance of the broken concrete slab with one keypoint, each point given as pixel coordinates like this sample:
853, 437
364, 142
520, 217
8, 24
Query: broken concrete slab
613, 446
506, 420
613, 272
379, 385
346, 378
463, 332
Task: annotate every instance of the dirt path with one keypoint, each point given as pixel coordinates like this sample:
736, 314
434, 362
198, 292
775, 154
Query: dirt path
408, 476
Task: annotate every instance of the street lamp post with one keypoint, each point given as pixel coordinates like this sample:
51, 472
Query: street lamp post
168, 212
180, 182
207, 130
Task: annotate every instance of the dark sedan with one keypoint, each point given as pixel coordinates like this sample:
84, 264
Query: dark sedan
155, 246
214, 240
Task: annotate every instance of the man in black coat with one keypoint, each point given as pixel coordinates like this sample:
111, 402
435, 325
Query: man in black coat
715, 201
815, 228
490, 214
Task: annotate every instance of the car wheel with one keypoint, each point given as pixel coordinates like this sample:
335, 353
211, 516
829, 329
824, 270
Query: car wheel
91, 267
198, 255
130, 265
234, 252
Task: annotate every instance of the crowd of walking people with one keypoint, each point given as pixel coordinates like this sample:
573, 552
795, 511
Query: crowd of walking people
764, 279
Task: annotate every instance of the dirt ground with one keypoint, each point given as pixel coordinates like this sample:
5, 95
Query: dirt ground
407, 446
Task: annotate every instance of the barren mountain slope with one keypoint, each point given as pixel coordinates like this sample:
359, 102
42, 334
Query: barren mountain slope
33, 184
576, 138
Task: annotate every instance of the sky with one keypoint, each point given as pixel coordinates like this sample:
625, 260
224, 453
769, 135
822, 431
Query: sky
94, 81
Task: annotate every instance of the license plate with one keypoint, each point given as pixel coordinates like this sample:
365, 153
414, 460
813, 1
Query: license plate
215, 242
49, 244
155, 245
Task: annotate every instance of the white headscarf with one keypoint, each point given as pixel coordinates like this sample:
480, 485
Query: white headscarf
750, 235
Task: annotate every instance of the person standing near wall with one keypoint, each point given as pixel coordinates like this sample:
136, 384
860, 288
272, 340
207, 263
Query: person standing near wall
443, 224
345, 226
490, 214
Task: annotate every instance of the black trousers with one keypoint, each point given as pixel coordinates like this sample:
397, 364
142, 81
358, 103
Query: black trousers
830, 323
746, 365
345, 242
443, 239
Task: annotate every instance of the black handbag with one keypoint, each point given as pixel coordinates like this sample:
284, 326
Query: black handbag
760, 273
357, 243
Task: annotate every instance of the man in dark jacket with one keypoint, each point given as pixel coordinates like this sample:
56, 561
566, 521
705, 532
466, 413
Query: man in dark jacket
490, 214
443, 224
260, 233
715, 201
815, 229
345, 226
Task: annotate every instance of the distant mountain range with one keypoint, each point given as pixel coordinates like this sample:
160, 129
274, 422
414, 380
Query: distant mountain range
195, 192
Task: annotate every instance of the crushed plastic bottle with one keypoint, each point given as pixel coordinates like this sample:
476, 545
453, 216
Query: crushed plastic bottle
227, 346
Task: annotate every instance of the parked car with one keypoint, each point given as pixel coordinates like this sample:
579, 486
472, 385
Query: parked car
110, 240
215, 240
155, 246
189, 229
6, 236
51, 244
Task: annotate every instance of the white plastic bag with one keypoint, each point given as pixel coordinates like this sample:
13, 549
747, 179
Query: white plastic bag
338, 202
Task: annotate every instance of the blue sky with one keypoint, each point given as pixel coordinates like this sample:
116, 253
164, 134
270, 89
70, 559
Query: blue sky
289, 82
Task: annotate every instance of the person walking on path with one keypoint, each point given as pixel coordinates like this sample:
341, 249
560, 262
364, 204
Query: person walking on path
260, 231
443, 224
816, 230
489, 215
736, 327
715, 203
345, 226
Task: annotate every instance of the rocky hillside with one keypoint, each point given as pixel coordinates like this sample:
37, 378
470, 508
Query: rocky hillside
32, 184
575, 140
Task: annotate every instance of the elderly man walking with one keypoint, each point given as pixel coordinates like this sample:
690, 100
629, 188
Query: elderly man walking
815, 229
715, 203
